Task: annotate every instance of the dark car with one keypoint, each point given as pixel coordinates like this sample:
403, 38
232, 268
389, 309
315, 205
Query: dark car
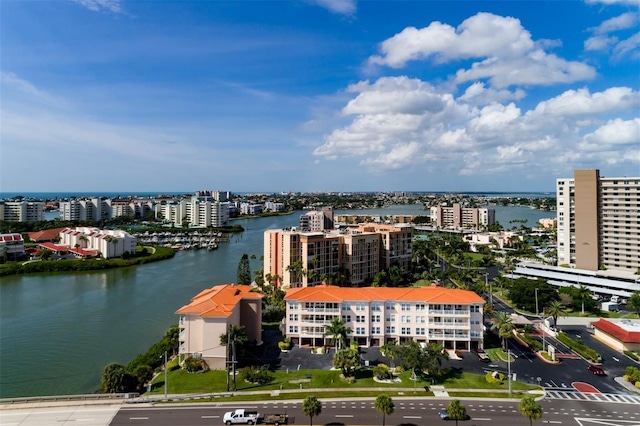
598, 371
445, 416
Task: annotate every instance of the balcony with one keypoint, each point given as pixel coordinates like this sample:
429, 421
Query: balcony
321, 310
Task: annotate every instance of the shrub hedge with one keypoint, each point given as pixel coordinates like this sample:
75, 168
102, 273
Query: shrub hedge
580, 347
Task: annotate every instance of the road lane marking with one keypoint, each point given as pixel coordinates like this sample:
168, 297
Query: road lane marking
209, 417
411, 417
344, 415
138, 418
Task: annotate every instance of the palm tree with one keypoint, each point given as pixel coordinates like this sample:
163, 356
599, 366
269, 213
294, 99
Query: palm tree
390, 350
583, 293
503, 323
384, 404
530, 409
554, 310
456, 411
311, 407
338, 332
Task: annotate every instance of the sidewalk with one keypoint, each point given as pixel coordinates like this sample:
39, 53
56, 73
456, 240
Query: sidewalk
438, 391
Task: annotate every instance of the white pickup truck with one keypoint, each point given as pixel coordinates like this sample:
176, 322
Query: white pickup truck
241, 416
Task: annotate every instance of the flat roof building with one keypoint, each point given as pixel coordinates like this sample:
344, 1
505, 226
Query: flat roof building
598, 221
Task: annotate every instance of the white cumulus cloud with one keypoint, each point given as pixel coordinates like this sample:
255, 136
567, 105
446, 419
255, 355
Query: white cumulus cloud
508, 54
616, 132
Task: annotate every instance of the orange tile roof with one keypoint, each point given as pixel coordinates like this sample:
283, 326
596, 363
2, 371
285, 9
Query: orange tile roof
431, 294
612, 329
218, 301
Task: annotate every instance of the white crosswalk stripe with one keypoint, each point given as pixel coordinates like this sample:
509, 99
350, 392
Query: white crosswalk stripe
596, 397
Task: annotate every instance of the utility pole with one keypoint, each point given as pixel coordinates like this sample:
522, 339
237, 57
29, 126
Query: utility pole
541, 324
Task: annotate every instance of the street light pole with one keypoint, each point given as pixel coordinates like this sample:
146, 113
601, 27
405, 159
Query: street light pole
509, 366
165, 374
486, 282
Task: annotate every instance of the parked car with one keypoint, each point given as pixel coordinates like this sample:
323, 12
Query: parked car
597, 370
482, 356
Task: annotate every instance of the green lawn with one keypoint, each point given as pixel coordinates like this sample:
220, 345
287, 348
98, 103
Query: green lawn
214, 381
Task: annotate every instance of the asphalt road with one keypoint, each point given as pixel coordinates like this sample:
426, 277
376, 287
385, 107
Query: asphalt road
408, 412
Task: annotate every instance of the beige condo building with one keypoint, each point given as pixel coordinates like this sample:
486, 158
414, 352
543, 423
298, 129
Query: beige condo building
598, 221
351, 255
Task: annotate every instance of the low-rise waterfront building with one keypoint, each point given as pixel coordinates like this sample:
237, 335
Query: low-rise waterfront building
377, 315
85, 241
601, 282
209, 315
620, 334
11, 246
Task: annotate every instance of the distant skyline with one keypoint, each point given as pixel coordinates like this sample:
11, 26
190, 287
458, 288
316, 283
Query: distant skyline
316, 95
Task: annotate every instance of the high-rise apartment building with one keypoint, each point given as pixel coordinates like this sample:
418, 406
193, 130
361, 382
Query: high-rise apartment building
354, 255
86, 209
22, 211
598, 221
459, 217
201, 210
317, 220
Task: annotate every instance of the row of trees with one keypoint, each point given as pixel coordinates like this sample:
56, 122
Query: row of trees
117, 378
528, 407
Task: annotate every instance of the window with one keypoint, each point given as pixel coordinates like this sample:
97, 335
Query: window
420, 331
390, 318
293, 305
360, 306
346, 318
405, 330
390, 306
406, 319
375, 318
346, 307
360, 318
390, 329
375, 306
293, 317
293, 329
405, 306
375, 330
421, 319
421, 307
359, 330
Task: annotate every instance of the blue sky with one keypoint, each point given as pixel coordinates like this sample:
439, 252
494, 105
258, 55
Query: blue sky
324, 95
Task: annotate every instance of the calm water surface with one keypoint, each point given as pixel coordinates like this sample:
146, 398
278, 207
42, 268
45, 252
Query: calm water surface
57, 331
